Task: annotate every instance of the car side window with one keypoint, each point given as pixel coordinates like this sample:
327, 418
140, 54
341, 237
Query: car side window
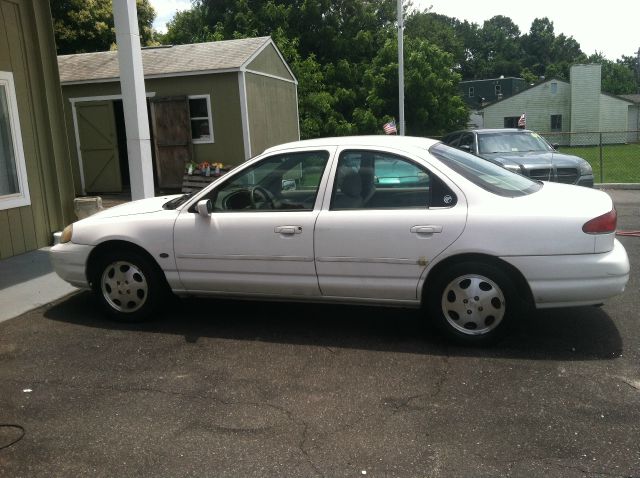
451, 139
467, 142
375, 180
284, 182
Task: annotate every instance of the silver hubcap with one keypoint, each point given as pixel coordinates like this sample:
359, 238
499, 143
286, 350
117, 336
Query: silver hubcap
473, 304
124, 286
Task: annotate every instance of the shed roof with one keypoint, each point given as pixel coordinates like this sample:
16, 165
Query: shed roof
163, 61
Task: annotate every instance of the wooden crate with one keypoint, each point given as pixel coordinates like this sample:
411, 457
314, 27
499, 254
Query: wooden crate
195, 182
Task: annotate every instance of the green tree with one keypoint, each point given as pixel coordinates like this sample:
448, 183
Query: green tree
189, 26
83, 26
537, 45
547, 55
499, 48
618, 78
342, 54
438, 30
434, 106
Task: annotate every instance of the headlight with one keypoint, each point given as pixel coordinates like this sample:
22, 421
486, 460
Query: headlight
66, 234
585, 168
514, 168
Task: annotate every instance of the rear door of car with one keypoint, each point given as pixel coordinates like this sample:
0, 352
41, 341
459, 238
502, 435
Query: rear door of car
378, 248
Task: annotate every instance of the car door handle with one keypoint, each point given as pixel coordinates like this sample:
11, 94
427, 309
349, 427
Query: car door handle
426, 229
288, 230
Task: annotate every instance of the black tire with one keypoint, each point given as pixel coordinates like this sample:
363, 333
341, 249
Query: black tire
129, 286
473, 303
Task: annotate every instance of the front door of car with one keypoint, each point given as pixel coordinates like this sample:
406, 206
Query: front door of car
258, 240
387, 218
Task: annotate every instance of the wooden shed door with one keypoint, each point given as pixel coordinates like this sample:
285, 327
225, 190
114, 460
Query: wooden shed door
99, 146
172, 139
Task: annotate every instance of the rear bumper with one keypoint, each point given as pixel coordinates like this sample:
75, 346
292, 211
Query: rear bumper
69, 260
572, 280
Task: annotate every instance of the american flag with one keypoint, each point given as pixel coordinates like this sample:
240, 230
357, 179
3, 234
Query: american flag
390, 128
522, 122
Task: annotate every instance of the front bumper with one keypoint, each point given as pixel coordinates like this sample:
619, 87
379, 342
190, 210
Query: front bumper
572, 280
586, 181
69, 260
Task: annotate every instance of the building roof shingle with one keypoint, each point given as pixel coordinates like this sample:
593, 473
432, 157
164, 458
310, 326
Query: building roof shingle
160, 61
634, 97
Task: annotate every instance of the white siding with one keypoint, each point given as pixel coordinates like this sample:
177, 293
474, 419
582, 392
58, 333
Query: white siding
539, 103
585, 110
614, 116
586, 81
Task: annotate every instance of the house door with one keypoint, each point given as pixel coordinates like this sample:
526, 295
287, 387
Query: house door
172, 139
98, 146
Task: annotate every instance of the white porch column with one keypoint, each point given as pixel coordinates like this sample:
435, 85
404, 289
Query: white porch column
134, 100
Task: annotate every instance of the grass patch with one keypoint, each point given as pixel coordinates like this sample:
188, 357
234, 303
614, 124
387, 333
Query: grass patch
620, 162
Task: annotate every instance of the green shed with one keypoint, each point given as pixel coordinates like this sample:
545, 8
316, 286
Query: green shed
219, 102
36, 190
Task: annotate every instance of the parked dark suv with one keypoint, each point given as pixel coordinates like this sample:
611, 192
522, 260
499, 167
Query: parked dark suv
524, 152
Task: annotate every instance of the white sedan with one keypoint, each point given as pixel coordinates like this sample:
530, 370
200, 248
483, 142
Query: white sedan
394, 221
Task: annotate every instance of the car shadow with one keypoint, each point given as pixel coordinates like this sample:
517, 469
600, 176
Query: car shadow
581, 333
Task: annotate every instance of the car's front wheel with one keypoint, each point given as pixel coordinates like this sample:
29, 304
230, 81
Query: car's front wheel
473, 302
128, 285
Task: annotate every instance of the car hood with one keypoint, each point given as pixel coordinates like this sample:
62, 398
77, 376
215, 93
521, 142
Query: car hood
142, 206
534, 159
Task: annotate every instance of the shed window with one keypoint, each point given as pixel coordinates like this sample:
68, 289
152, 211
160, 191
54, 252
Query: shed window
556, 122
14, 191
201, 123
471, 91
554, 88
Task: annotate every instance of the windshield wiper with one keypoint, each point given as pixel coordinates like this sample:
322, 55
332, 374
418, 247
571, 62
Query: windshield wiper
176, 202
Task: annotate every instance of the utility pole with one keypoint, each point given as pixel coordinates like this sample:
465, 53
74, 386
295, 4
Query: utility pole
638, 72
401, 67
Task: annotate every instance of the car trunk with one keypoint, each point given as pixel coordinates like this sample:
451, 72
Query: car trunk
550, 221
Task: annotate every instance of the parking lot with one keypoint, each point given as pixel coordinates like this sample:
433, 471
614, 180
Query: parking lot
225, 388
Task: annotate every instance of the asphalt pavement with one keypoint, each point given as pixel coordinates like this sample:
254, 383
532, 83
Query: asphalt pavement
229, 389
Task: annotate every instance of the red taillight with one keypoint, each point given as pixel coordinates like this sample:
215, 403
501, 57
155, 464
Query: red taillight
602, 224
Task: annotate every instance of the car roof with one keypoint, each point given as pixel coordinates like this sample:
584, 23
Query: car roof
398, 142
502, 130
492, 130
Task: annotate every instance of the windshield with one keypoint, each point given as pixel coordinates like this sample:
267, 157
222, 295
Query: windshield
485, 174
511, 142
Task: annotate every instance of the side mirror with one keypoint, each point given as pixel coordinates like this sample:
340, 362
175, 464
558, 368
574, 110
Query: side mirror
204, 207
555, 146
465, 147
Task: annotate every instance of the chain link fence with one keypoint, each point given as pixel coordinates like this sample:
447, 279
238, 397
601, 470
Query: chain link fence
614, 156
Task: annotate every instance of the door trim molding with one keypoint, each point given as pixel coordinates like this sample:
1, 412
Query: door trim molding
245, 257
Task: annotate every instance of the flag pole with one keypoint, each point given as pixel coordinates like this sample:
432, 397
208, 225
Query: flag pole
400, 67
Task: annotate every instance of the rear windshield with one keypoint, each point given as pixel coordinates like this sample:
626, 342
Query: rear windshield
483, 173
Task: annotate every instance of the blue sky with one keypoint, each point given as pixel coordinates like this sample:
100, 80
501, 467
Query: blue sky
608, 27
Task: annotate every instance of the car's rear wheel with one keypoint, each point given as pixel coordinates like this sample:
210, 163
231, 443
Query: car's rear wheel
473, 302
128, 285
